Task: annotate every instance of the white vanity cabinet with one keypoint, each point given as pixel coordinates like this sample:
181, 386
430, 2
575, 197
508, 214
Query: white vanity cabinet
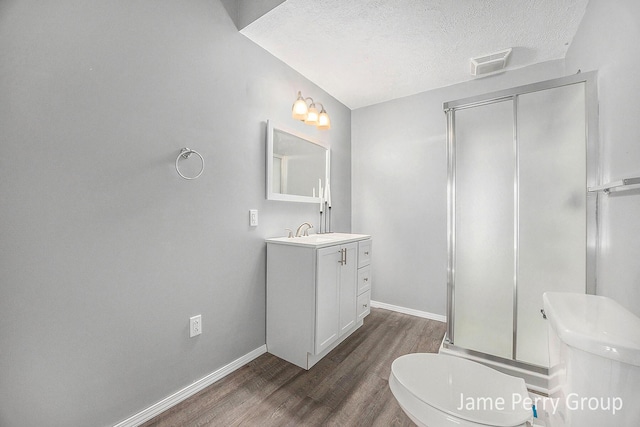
314, 294
335, 293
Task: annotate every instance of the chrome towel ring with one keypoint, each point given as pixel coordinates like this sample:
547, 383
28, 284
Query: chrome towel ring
185, 153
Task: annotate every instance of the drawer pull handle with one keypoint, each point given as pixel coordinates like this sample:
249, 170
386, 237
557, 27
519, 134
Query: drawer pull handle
366, 252
366, 279
365, 305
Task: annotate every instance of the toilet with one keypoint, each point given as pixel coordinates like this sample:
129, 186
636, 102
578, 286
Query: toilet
594, 349
440, 390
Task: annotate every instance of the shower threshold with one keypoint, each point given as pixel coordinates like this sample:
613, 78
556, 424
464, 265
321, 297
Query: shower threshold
536, 377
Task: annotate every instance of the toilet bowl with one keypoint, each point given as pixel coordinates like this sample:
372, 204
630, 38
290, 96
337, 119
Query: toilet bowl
437, 390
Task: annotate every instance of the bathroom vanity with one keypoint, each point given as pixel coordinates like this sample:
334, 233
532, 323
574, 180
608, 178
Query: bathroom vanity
318, 293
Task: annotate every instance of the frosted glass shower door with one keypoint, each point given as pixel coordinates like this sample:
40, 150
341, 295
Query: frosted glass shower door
552, 208
484, 228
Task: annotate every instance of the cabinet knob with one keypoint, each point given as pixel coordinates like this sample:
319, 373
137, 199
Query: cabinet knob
365, 305
366, 279
366, 252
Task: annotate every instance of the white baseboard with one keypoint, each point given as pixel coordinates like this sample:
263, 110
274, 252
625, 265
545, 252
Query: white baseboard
410, 311
177, 397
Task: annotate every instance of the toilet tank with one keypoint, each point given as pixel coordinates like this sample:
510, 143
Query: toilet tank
594, 355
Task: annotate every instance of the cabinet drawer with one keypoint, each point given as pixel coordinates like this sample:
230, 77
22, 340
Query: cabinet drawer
364, 279
364, 305
364, 253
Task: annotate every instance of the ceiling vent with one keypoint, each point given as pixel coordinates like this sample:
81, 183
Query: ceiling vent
491, 63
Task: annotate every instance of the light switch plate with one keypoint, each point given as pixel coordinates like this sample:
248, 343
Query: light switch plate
253, 217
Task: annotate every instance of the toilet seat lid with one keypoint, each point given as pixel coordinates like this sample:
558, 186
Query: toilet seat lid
464, 389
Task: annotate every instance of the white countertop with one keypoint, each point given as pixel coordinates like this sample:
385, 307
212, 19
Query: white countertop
319, 240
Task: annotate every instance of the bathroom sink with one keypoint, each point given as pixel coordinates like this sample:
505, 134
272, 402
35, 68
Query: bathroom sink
319, 240
316, 238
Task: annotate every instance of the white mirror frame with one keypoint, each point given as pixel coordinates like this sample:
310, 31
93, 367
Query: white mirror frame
269, 163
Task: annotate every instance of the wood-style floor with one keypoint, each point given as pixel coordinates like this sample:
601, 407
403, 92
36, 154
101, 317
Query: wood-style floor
349, 387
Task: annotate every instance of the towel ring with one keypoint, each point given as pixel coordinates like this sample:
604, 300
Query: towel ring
185, 153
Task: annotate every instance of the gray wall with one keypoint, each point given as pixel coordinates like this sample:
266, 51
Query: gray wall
399, 186
399, 166
607, 40
105, 252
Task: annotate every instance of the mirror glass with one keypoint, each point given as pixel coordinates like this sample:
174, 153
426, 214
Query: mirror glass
296, 165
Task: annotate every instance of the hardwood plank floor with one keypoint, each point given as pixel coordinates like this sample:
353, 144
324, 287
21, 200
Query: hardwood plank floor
349, 387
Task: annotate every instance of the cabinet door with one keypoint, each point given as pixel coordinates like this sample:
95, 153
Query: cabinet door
348, 284
327, 297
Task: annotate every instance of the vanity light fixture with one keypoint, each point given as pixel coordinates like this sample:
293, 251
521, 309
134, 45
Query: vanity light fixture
300, 108
312, 115
305, 109
324, 122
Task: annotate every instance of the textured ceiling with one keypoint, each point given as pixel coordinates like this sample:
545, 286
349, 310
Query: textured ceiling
364, 52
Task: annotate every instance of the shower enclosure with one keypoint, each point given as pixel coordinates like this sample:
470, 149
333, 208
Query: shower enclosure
520, 219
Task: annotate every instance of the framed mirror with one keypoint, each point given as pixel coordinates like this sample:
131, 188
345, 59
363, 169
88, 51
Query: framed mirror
295, 166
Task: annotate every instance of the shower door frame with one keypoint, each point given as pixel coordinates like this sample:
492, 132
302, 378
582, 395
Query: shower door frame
592, 177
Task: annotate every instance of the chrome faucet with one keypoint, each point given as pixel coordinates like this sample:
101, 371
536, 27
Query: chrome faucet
305, 231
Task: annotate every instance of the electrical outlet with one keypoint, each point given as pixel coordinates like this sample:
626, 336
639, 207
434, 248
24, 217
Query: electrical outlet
253, 217
195, 325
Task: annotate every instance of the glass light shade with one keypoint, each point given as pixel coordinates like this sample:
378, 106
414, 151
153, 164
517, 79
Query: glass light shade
324, 122
299, 110
312, 115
